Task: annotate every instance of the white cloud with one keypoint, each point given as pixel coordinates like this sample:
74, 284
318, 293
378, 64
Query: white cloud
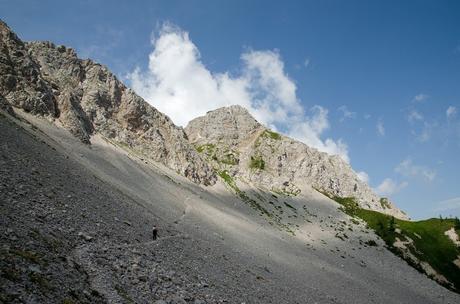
420, 97
408, 169
414, 115
316, 123
363, 176
346, 114
389, 187
179, 84
306, 63
380, 128
426, 132
425, 135
451, 112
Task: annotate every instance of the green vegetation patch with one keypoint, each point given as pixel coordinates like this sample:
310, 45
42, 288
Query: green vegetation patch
257, 162
243, 196
285, 192
208, 148
228, 180
271, 134
430, 244
229, 159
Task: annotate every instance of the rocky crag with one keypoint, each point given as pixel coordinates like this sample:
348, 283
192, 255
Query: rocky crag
240, 147
86, 99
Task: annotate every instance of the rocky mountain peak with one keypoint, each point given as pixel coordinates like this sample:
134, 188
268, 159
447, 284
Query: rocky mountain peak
227, 125
235, 143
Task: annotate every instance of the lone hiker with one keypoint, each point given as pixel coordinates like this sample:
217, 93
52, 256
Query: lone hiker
155, 232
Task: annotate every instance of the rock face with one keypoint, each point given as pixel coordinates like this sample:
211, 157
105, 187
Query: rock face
233, 141
21, 83
85, 98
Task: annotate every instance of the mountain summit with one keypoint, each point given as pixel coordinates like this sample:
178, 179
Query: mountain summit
233, 141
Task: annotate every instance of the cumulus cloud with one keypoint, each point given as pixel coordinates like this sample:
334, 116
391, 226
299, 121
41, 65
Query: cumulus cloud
180, 85
316, 123
363, 176
422, 129
389, 187
414, 116
380, 128
426, 131
346, 113
420, 97
408, 169
451, 112
425, 135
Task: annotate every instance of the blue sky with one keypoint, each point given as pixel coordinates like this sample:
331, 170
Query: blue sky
380, 79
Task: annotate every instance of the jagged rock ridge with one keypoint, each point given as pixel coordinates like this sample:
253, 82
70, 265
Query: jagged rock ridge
234, 141
87, 99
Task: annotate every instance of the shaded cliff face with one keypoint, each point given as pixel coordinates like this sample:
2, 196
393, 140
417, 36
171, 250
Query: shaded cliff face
233, 141
85, 98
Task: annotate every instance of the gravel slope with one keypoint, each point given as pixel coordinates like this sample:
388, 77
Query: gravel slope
76, 229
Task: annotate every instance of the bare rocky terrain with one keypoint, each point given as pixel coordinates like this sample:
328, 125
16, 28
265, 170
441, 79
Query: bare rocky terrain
87, 168
77, 230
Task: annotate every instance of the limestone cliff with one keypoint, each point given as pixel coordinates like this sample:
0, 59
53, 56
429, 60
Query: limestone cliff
233, 141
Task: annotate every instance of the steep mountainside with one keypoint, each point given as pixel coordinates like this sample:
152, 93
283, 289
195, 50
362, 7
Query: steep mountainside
87, 167
76, 228
235, 143
85, 98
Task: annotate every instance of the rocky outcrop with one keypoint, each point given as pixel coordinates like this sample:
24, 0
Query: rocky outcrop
85, 98
21, 83
233, 141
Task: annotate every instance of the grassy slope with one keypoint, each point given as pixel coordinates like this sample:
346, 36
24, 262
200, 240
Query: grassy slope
430, 243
